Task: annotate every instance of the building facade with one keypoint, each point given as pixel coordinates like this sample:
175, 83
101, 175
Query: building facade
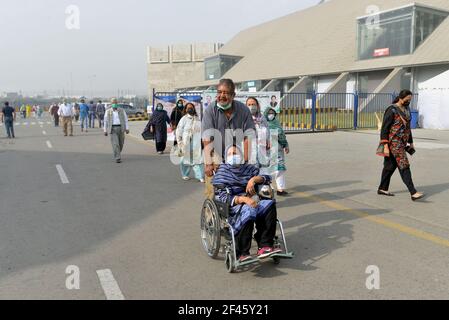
340, 46
172, 65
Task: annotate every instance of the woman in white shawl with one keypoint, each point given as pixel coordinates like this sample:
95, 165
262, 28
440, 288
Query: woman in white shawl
260, 147
188, 135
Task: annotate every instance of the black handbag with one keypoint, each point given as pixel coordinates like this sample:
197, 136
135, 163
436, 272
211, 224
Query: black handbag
411, 151
147, 135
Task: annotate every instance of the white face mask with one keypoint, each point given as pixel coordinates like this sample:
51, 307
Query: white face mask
253, 110
235, 160
271, 117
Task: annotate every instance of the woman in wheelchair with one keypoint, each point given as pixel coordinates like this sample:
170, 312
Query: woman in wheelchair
237, 184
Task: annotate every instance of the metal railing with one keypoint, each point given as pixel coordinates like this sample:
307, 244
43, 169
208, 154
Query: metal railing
309, 112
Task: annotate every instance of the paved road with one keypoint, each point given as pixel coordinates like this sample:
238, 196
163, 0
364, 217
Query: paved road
140, 222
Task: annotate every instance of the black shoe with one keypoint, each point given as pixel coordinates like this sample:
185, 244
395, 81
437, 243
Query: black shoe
385, 193
282, 193
118, 161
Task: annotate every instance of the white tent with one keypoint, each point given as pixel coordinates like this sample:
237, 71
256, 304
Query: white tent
434, 102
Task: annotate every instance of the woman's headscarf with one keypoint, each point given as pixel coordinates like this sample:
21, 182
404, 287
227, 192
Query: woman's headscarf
158, 117
276, 125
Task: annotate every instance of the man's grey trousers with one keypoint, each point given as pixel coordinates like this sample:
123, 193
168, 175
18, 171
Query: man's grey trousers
117, 141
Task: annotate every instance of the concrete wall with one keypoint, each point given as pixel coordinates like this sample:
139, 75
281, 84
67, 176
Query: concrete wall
395, 84
173, 66
375, 78
166, 77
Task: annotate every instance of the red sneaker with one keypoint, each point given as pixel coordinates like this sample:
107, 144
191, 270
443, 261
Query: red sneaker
267, 251
244, 258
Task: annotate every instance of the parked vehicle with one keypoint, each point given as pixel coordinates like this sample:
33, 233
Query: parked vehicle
129, 109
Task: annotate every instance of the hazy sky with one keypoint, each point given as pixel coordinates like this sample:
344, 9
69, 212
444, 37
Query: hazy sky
108, 52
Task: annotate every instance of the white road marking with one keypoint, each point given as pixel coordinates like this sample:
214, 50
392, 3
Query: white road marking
109, 285
33, 123
25, 123
48, 122
49, 145
62, 174
41, 123
44, 133
431, 145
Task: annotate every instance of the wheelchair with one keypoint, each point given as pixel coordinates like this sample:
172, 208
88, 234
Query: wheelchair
218, 235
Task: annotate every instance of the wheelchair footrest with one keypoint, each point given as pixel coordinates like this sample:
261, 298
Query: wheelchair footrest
289, 255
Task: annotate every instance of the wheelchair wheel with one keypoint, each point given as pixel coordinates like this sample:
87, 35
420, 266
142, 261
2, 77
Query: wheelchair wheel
229, 261
276, 260
210, 229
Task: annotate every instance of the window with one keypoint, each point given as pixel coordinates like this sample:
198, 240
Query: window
253, 85
427, 20
391, 36
215, 67
392, 33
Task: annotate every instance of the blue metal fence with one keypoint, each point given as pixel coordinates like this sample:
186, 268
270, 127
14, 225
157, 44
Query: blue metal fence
322, 111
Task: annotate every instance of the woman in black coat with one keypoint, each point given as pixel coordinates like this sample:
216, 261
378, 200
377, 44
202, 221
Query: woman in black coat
158, 123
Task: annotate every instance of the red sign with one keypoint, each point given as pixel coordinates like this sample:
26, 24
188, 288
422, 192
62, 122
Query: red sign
382, 52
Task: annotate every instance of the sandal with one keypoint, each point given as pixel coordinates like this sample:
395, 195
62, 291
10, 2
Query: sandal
419, 196
385, 193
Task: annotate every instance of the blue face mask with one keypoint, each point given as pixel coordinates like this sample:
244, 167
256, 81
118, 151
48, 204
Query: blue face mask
234, 160
159, 108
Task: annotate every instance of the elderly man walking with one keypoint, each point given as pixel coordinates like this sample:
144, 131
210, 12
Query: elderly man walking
65, 111
116, 124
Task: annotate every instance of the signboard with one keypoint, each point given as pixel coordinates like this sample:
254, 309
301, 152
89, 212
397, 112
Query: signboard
266, 99
384, 52
169, 103
195, 99
209, 98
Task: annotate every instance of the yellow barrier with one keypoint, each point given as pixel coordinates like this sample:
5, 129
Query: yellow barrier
134, 118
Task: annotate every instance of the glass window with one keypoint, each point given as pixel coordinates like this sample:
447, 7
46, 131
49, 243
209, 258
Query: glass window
217, 66
253, 85
391, 36
212, 68
391, 33
426, 21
